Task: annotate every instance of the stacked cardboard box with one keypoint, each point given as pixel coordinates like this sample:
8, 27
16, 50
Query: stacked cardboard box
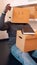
22, 15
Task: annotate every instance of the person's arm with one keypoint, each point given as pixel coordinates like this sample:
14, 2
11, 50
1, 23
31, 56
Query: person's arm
2, 19
3, 25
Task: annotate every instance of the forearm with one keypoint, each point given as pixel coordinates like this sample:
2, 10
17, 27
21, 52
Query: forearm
2, 19
3, 25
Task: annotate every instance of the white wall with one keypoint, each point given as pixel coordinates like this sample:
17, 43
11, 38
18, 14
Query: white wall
23, 2
3, 3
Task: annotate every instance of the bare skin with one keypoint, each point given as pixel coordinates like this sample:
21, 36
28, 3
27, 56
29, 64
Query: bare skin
7, 8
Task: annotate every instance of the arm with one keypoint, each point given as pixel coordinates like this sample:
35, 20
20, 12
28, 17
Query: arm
2, 18
3, 25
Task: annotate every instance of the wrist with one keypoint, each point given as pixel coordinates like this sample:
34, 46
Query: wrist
4, 13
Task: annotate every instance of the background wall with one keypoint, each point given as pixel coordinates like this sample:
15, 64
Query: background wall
3, 3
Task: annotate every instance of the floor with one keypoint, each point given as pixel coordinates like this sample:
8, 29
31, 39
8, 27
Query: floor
13, 61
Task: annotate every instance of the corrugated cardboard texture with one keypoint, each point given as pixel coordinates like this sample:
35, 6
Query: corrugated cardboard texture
21, 15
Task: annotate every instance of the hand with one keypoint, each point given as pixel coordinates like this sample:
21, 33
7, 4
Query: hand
8, 8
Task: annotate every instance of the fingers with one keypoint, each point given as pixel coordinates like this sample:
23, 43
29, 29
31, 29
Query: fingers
8, 7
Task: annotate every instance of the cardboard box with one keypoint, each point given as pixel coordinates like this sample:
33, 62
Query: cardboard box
23, 14
33, 12
20, 15
36, 11
26, 43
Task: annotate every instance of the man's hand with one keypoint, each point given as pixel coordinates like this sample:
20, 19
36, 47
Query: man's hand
8, 8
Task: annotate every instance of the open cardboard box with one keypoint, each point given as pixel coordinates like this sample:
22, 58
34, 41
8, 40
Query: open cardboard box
26, 42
